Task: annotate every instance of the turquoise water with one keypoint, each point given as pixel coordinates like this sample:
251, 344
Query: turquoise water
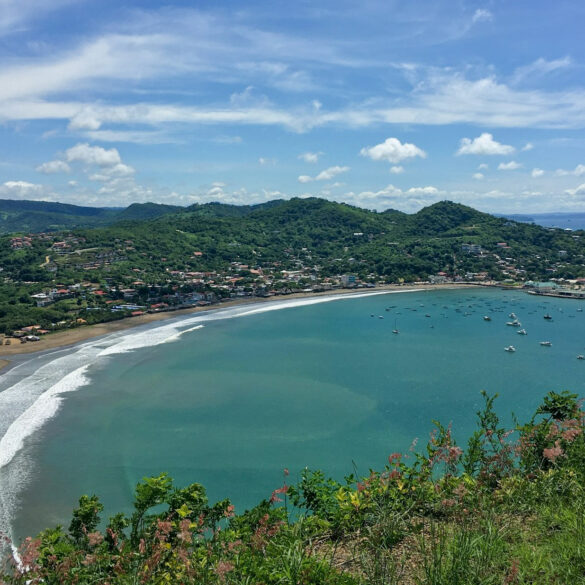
325, 386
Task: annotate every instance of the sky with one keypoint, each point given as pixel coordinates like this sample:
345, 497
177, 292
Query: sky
391, 104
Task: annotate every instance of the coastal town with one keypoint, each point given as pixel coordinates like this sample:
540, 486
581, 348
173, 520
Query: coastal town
90, 284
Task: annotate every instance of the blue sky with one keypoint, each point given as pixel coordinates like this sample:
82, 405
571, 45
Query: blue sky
393, 104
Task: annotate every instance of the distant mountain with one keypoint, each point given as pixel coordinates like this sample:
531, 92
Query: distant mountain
45, 216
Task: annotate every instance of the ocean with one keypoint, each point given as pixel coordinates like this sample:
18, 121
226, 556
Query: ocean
231, 397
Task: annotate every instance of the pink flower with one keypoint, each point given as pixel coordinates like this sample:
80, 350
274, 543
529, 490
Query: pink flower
394, 459
223, 568
95, 538
553, 453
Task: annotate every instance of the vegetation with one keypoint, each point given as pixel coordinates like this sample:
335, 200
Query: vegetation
509, 509
155, 245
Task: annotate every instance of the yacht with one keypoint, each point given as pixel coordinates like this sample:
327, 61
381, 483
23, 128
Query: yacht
521, 331
510, 349
546, 343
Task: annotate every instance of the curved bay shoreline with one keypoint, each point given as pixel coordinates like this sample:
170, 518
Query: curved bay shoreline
63, 339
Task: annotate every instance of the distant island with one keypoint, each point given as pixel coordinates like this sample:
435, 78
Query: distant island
66, 266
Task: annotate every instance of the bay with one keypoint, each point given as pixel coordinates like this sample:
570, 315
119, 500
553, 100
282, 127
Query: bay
324, 385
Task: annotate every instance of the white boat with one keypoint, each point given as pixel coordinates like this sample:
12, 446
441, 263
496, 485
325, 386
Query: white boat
581, 357
546, 343
510, 348
521, 331
512, 315
486, 318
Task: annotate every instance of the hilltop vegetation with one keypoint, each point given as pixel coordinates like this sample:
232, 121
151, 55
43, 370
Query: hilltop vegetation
165, 253
509, 509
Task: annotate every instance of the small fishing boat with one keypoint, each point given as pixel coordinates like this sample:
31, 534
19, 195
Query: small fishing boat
581, 357
486, 318
548, 317
546, 343
510, 348
521, 332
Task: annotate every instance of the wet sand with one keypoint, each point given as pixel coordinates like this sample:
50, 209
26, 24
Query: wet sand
67, 337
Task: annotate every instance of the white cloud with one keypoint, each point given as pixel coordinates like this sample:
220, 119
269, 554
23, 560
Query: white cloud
580, 190
537, 173
267, 161
483, 167
310, 157
54, 166
509, 166
478, 176
578, 171
22, 190
484, 145
93, 155
527, 146
392, 150
325, 175
482, 15
397, 170
117, 171
331, 172
540, 68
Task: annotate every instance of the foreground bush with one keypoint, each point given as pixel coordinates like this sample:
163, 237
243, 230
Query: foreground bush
509, 509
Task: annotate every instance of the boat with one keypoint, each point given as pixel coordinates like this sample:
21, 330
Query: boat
581, 357
395, 330
486, 318
514, 323
510, 348
380, 316
548, 317
521, 332
512, 315
546, 343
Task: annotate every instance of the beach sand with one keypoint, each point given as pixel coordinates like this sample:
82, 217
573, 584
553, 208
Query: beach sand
72, 336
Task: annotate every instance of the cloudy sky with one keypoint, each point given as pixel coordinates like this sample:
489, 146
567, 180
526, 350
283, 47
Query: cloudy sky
380, 104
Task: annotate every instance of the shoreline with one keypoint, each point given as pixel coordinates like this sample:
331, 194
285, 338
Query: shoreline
63, 339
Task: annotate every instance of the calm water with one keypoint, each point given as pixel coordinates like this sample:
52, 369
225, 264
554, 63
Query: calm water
325, 385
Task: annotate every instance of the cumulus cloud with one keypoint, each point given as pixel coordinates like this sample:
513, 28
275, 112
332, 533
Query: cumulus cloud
483, 167
392, 150
22, 190
93, 155
527, 146
484, 145
478, 176
537, 173
509, 166
397, 170
116, 171
325, 175
578, 171
310, 157
54, 166
331, 172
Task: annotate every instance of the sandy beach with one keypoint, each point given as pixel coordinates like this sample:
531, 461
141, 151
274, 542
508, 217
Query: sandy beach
68, 337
